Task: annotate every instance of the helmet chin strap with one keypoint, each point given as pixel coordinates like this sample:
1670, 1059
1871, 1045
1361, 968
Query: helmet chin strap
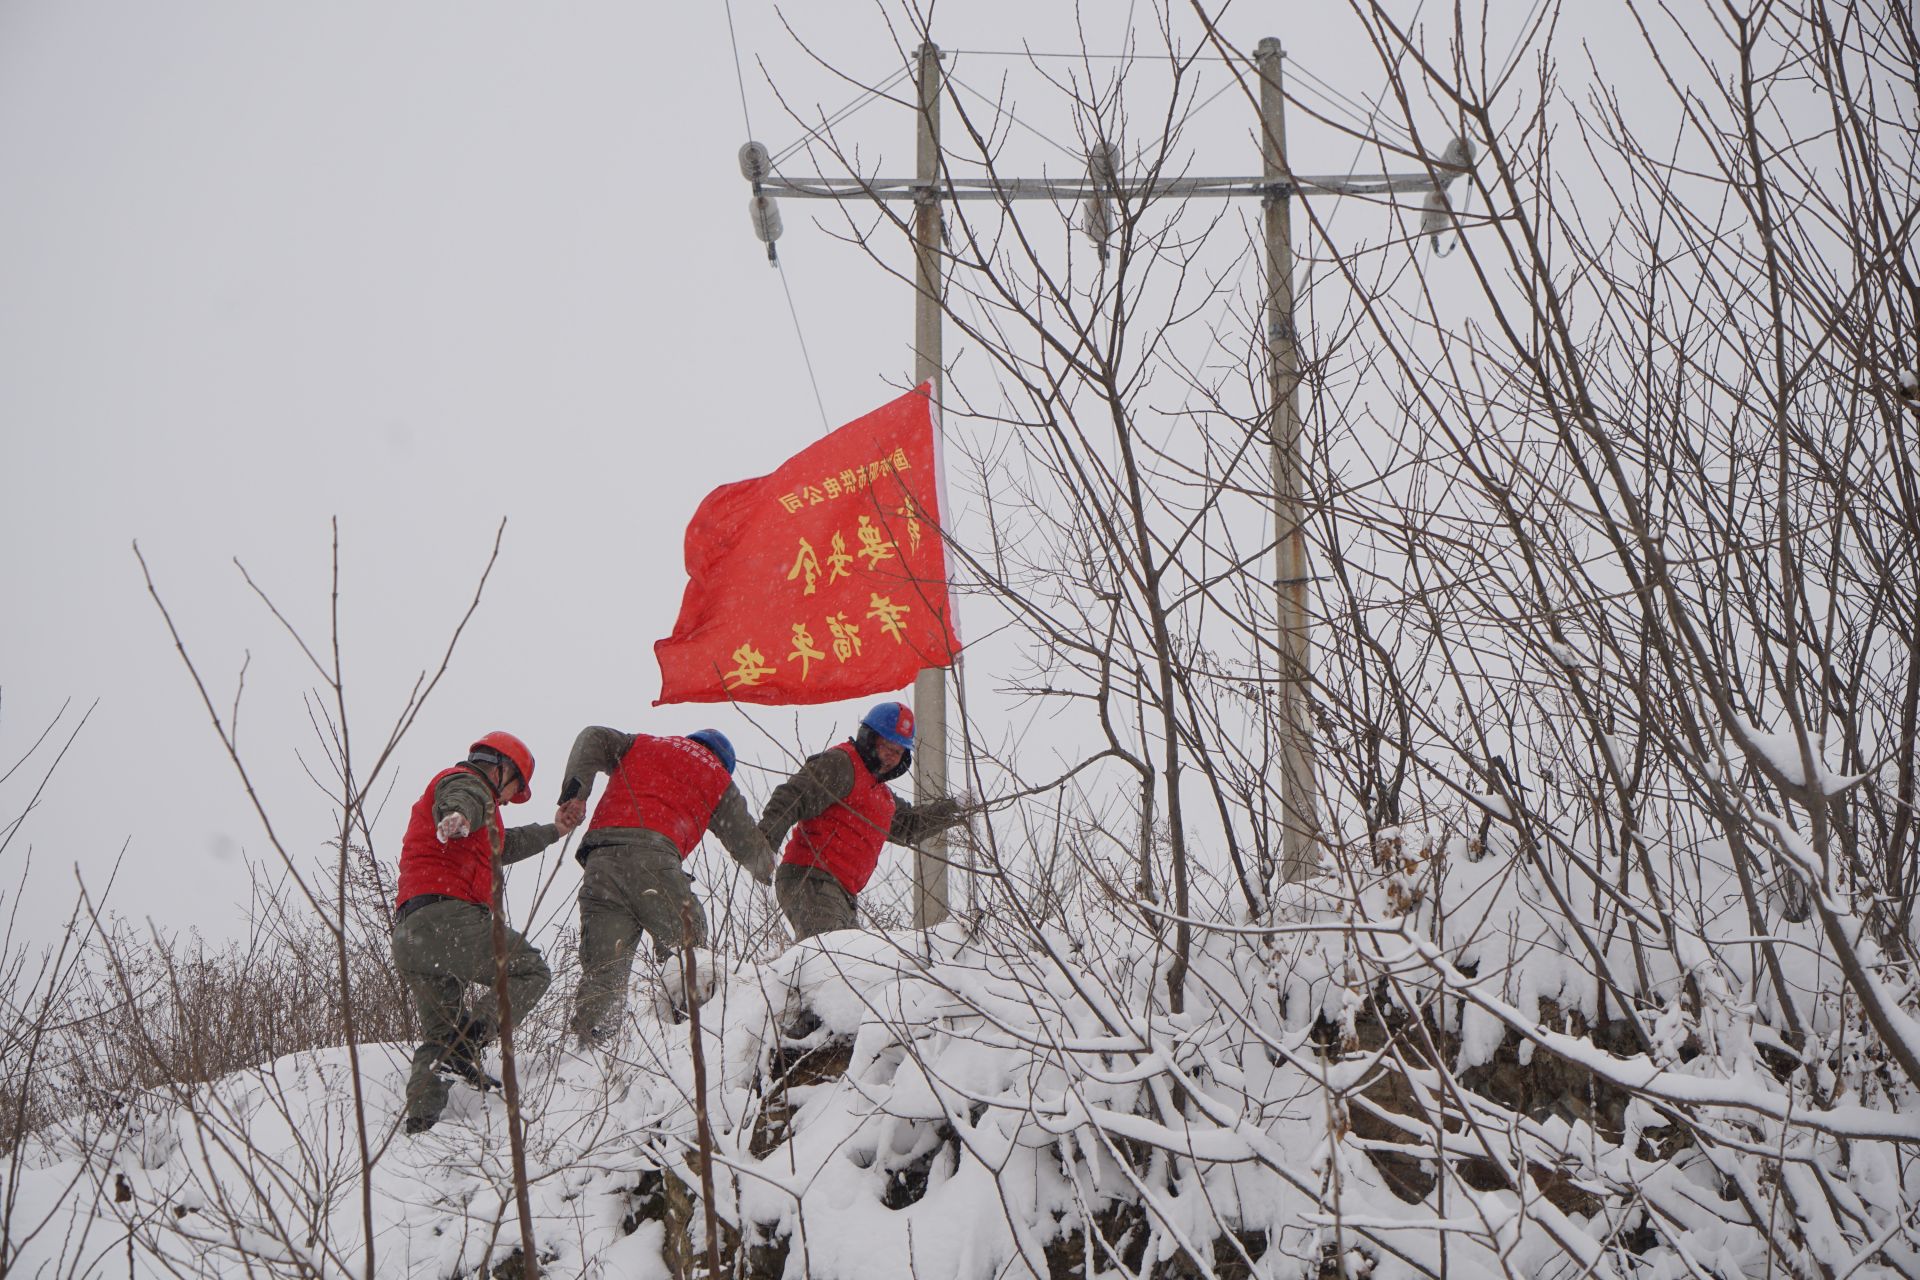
495, 775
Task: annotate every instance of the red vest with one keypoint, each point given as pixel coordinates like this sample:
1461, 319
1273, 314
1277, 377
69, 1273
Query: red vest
460, 868
669, 785
845, 840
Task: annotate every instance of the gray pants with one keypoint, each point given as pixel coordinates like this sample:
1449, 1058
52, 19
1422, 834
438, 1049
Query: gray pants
625, 889
439, 949
813, 900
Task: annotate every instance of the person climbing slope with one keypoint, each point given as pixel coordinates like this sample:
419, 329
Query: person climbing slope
841, 813
662, 795
443, 920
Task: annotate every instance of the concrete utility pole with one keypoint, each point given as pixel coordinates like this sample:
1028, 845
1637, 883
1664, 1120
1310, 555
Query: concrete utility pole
1101, 189
930, 686
1299, 793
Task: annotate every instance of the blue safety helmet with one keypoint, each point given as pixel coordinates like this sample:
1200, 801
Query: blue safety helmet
892, 721
716, 742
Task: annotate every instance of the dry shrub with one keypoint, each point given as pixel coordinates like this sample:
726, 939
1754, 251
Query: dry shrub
141, 1008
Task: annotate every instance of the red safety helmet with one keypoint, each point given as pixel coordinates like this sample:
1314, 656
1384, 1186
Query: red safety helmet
500, 745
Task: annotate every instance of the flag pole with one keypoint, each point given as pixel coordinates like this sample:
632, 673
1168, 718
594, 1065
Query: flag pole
930, 686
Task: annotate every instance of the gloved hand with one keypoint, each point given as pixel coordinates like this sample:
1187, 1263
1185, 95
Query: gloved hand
760, 865
944, 810
453, 827
570, 815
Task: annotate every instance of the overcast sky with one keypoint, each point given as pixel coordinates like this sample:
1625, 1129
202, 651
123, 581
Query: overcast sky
417, 266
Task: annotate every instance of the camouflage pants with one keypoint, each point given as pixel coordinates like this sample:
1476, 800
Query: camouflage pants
439, 949
813, 900
626, 889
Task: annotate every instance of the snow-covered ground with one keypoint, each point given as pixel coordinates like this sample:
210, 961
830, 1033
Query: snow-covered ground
1010, 1099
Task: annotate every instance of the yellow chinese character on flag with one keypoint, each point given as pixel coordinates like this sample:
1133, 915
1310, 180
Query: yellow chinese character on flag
899, 459
850, 479
806, 562
749, 667
846, 636
889, 614
838, 559
873, 547
791, 501
832, 485
913, 527
803, 649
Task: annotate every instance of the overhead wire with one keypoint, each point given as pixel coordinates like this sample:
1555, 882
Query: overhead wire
739, 76
1511, 61
999, 109
1373, 113
1098, 57
1337, 107
1365, 121
862, 99
1519, 36
799, 332
1326, 91
1338, 103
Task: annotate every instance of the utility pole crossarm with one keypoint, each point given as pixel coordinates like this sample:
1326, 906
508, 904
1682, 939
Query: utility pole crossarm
1083, 187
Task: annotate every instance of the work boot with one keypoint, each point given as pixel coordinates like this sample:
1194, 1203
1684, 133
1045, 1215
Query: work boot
461, 1057
427, 1088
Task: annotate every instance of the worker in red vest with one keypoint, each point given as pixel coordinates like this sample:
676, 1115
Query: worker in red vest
841, 812
662, 795
443, 923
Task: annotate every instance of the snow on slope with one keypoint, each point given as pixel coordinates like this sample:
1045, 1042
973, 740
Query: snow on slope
1001, 1095
1016, 1100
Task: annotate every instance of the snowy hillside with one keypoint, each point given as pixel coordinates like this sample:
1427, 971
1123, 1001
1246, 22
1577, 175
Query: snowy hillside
1020, 1101
1439, 724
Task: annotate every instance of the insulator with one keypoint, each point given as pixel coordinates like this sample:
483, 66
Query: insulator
755, 164
766, 218
1097, 221
1096, 217
1100, 166
1437, 210
1436, 218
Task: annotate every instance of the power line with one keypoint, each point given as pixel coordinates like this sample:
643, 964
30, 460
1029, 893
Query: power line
1513, 54
746, 118
865, 96
1364, 120
1077, 156
1336, 104
805, 356
1094, 57
1373, 111
1361, 123
1232, 82
1338, 107
739, 76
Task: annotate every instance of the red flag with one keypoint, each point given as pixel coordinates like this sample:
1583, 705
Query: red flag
825, 580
